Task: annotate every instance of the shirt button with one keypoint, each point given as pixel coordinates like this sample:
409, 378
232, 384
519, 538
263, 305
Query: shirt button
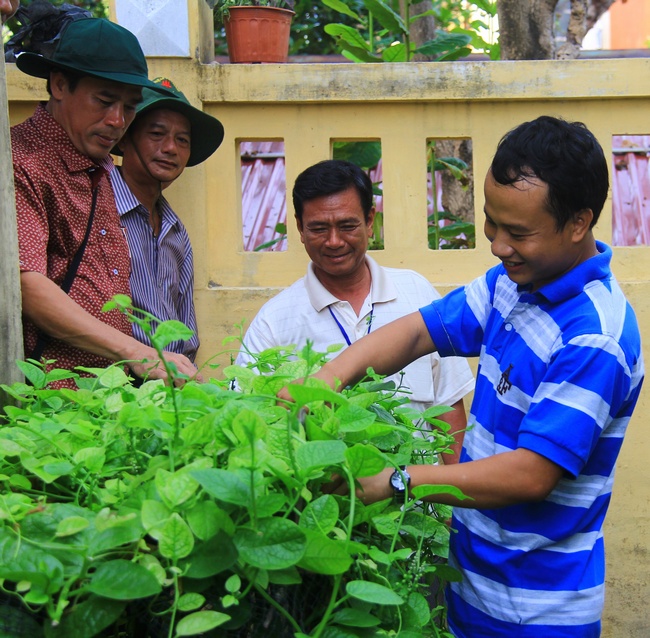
102, 231
115, 271
508, 327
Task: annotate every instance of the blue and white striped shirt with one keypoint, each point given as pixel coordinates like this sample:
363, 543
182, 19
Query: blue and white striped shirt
162, 269
559, 373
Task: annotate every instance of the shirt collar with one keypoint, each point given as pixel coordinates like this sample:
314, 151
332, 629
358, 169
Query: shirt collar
573, 282
382, 288
126, 201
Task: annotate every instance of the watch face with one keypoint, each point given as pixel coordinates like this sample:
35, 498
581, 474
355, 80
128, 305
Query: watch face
397, 482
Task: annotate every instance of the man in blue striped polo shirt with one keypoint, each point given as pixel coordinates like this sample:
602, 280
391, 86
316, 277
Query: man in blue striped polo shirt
560, 370
167, 135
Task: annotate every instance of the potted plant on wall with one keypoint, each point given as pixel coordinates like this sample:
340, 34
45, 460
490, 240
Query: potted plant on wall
256, 30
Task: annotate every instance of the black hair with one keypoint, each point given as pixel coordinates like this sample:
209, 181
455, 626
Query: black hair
564, 155
73, 78
330, 177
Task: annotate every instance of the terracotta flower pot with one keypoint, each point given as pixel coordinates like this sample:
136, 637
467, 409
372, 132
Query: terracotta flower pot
258, 34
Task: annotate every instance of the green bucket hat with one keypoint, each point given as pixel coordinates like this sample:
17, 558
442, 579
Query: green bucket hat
206, 131
95, 47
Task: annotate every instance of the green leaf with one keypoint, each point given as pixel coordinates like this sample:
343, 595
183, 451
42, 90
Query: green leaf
86, 619
175, 488
319, 454
364, 460
205, 519
20, 561
200, 622
153, 514
385, 15
92, 458
276, 544
427, 490
190, 602
175, 538
303, 394
33, 373
289, 576
373, 593
249, 427
321, 514
366, 155
169, 331
58, 468
224, 486
212, 557
444, 42
352, 617
395, 53
347, 35
324, 555
17, 622
71, 525
341, 7
113, 377
121, 579
419, 609
202, 430
233, 584
355, 418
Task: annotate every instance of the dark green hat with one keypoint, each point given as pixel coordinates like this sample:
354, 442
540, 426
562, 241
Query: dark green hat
206, 131
95, 47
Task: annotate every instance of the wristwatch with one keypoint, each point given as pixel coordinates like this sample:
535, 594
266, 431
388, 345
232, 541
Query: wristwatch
400, 481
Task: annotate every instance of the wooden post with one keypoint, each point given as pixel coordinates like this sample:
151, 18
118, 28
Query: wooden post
11, 329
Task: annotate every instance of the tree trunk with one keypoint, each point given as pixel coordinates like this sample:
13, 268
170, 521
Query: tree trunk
526, 29
422, 30
11, 328
456, 199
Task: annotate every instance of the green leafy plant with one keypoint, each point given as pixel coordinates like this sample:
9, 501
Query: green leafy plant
221, 7
175, 511
384, 35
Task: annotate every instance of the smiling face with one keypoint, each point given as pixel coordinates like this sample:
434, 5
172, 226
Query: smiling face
524, 235
95, 114
157, 148
335, 234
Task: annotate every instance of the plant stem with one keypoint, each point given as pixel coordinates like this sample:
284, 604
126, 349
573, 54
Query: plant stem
274, 603
434, 197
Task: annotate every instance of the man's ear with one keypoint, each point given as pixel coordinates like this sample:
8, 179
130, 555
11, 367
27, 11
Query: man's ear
582, 224
371, 220
58, 84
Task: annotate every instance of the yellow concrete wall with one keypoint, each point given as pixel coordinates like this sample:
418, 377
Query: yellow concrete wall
403, 105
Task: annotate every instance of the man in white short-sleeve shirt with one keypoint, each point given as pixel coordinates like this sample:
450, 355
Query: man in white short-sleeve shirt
346, 294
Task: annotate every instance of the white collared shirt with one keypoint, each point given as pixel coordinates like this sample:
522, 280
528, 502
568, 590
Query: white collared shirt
301, 312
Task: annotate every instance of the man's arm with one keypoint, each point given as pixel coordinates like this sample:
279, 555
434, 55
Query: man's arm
520, 476
457, 419
53, 312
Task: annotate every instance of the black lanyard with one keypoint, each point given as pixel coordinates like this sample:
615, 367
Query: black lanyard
342, 329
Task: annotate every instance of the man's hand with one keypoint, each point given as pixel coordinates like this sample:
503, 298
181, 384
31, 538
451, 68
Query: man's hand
149, 366
371, 488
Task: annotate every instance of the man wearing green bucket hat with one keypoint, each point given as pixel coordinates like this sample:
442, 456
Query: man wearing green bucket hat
73, 252
167, 135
